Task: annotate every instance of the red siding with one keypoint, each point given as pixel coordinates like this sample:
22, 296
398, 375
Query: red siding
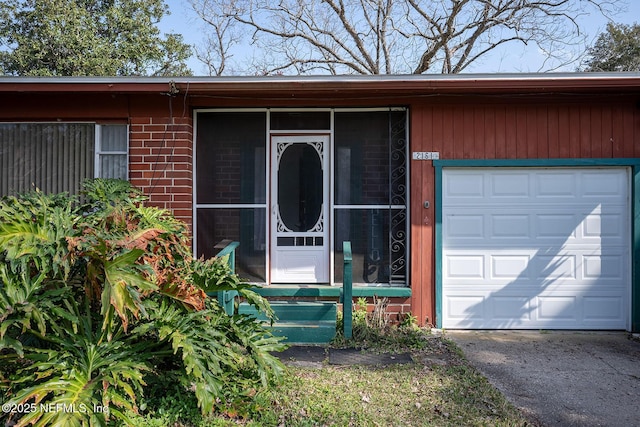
422, 220
511, 129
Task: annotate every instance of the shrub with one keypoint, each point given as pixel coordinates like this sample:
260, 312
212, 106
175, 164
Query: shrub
96, 297
375, 331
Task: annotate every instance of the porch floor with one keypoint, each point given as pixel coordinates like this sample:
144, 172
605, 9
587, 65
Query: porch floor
328, 291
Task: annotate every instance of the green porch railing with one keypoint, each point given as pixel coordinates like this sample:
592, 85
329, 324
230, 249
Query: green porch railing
347, 291
227, 298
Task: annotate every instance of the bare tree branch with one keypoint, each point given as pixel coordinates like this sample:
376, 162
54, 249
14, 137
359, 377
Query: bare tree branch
390, 36
222, 37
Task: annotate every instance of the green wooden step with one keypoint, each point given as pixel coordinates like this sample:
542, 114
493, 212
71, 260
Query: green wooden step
305, 332
300, 322
296, 310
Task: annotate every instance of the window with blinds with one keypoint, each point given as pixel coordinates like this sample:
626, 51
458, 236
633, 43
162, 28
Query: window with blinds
57, 157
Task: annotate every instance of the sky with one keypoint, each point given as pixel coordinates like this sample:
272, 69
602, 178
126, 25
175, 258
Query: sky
514, 59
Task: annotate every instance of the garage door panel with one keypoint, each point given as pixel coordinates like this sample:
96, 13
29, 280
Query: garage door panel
509, 267
504, 308
506, 265
465, 267
510, 226
511, 185
556, 185
551, 268
505, 187
559, 226
603, 308
557, 308
546, 225
465, 308
603, 225
499, 310
465, 227
464, 187
536, 248
598, 266
603, 185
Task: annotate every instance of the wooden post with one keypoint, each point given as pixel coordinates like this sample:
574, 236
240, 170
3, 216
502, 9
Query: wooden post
227, 298
347, 291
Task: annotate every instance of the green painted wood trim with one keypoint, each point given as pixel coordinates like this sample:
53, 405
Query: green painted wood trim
367, 291
330, 291
635, 251
227, 298
347, 292
633, 163
536, 162
305, 334
294, 311
438, 243
229, 250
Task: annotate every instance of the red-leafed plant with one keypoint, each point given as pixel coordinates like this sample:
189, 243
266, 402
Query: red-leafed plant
96, 297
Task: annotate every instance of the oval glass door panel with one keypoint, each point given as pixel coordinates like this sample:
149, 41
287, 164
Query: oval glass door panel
300, 196
300, 190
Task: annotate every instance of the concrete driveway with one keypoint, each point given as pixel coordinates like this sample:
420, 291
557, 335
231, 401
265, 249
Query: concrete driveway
561, 378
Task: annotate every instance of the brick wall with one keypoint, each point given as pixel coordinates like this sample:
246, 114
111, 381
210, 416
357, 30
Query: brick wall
375, 171
396, 309
160, 162
221, 159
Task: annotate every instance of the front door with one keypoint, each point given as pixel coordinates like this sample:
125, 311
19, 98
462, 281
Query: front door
299, 209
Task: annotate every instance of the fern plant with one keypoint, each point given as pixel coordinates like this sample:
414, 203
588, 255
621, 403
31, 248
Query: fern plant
95, 297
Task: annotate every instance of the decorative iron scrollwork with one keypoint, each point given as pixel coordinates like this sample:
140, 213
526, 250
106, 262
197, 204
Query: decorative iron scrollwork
398, 198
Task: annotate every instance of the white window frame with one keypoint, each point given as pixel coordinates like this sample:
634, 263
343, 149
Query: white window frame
99, 153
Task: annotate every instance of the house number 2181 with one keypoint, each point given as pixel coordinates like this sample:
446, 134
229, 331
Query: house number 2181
426, 155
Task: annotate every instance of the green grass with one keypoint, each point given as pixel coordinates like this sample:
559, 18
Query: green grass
439, 389
393, 396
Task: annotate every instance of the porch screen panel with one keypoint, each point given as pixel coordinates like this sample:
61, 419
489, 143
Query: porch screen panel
53, 157
371, 195
237, 225
376, 256
231, 187
229, 147
300, 120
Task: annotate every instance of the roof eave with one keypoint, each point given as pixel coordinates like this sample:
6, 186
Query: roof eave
289, 86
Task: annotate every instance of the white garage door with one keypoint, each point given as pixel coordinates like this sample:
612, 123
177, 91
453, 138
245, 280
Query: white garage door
535, 248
